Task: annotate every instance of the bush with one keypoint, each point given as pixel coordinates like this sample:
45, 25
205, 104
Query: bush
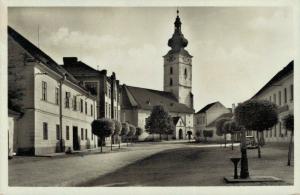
208, 133
288, 122
103, 127
220, 124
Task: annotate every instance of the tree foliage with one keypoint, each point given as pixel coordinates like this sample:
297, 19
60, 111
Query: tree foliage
219, 126
103, 127
139, 131
159, 120
132, 130
118, 127
125, 129
208, 133
288, 122
256, 115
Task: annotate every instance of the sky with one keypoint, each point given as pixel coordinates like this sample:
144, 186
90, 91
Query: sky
236, 49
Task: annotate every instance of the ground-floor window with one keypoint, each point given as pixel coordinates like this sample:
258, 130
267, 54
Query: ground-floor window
82, 134
45, 131
85, 134
67, 133
275, 131
57, 132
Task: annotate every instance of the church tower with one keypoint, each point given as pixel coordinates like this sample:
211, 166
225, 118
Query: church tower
178, 67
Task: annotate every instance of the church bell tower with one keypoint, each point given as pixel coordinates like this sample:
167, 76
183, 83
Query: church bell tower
178, 67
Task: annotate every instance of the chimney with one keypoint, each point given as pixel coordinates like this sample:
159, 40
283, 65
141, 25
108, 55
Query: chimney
69, 60
233, 108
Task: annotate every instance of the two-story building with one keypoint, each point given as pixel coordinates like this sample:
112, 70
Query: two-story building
57, 109
205, 118
279, 90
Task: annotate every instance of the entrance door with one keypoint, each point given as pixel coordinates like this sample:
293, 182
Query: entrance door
75, 138
180, 134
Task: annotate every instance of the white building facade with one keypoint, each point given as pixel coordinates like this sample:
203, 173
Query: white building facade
57, 110
279, 90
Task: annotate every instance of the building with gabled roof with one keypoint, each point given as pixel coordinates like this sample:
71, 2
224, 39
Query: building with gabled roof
52, 119
205, 118
279, 90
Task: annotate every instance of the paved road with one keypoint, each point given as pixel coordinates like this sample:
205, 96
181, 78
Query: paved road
72, 170
197, 166
156, 164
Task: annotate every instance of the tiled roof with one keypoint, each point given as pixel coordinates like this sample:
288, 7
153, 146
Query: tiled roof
280, 75
225, 115
135, 97
205, 108
41, 56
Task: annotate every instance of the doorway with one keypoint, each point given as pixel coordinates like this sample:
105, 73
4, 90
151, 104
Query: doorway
180, 134
75, 139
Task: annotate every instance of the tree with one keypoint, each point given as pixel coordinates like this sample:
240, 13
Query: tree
207, 133
103, 128
288, 122
159, 121
125, 131
117, 132
171, 128
258, 115
131, 133
248, 115
232, 128
220, 127
139, 131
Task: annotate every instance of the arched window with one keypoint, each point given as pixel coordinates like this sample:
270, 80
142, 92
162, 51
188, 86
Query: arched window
171, 82
171, 70
185, 73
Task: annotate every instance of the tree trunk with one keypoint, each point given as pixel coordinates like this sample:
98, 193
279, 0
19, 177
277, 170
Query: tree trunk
160, 136
258, 144
101, 142
127, 141
262, 139
290, 149
119, 142
111, 140
231, 141
225, 139
244, 160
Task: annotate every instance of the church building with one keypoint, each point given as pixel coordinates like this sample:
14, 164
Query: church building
177, 95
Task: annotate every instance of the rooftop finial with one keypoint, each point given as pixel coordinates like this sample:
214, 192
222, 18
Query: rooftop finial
177, 11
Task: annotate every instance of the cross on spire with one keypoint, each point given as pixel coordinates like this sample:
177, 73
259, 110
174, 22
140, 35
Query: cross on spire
177, 11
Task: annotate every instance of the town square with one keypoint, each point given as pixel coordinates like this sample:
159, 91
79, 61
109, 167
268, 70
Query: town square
150, 96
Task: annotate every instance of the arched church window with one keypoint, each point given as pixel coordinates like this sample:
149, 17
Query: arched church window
185, 73
171, 70
171, 82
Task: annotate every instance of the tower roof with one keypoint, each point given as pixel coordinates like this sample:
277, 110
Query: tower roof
178, 42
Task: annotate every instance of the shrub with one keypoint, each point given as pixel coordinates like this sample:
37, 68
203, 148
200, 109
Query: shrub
103, 128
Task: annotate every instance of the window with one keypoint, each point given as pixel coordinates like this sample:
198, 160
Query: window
82, 134
74, 102
57, 132
67, 102
292, 92
109, 111
106, 109
185, 73
44, 91
275, 131
270, 98
171, 70
92, 110
45, 131
279, 98
271, 132
285, 95
67, 133
85, 134
171, 82
85, 106
274, 98
56, 96
81, 105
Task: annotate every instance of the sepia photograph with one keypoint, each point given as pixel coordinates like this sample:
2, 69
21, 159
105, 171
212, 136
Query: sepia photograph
150, 96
